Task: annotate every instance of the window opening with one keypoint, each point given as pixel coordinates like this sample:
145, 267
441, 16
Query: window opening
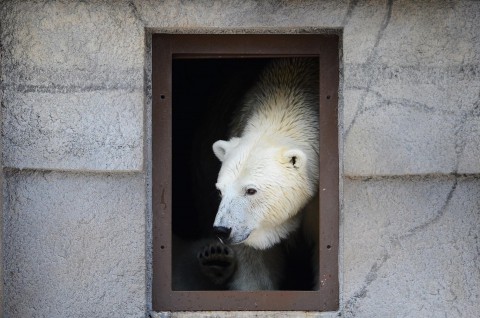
197, 86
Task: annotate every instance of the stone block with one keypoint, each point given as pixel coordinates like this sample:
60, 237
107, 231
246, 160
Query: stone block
71, 46
192, 16
399, 139
469, 152
73, 79
427, 114
101, 130
411, 247
422, 33
410, 56
363, 25
74, 245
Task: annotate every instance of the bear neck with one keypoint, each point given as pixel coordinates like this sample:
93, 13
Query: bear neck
267, 237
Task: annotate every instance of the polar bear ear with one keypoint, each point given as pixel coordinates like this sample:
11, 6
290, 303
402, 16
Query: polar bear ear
295, 158
222, 147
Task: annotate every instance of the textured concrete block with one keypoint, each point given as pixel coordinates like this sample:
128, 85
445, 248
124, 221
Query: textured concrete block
442, 120
73, 131
73, 79
469, 152
411, 247
53, 46
363, 26
191, 15
411, 56
74, 245
419, 119
430, 33
400, 139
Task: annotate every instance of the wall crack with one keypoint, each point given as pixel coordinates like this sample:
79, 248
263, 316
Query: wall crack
436, 218
352, 304
370, 62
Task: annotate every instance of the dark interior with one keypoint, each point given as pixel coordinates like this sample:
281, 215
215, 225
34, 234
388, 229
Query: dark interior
205, 95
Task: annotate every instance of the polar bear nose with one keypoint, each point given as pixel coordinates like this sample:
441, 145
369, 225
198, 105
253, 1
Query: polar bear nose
222, 232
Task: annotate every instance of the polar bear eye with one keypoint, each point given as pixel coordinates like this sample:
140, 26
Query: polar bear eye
250, 191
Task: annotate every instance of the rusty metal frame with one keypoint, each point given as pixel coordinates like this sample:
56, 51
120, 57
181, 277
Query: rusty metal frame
165, 48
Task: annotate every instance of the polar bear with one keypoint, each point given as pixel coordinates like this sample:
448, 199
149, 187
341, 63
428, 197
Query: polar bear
269, 170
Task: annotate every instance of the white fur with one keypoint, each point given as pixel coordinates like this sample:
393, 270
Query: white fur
274, 150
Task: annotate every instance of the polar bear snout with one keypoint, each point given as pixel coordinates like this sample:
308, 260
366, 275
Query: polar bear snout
222, 232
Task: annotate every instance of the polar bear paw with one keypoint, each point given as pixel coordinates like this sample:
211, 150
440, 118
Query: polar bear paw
217, 262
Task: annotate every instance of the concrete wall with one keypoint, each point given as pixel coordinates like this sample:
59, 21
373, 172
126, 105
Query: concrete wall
1, 203
76, 136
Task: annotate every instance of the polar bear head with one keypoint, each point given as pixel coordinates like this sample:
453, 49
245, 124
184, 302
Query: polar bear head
264, 182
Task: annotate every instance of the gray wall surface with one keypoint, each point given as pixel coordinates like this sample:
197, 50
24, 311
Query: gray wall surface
76, 136
1, 204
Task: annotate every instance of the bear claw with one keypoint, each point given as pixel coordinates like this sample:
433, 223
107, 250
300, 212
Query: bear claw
217, 262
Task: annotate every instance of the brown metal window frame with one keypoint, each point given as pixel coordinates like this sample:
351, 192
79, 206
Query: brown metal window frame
165, 48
